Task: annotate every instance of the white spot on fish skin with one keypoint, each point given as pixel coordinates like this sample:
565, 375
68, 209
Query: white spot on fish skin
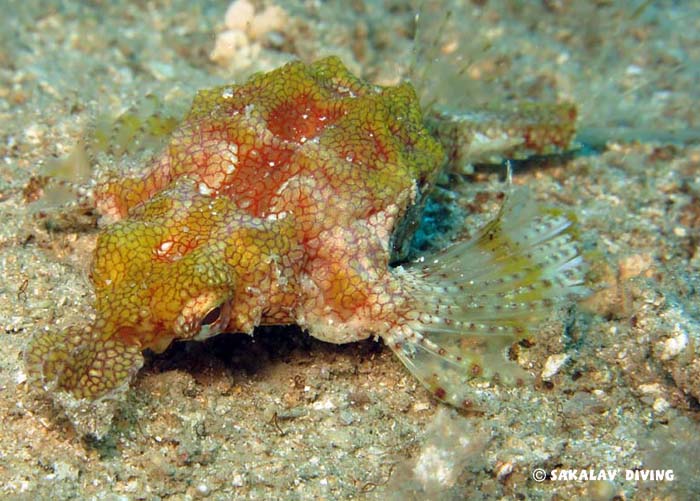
204, 189
227, 93
276, 216
164, 247
231, 158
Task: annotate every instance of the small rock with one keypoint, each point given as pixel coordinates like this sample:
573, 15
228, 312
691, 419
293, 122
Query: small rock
239, 15
672, 347
421, 406
553, 364
661, 405
635, 265
325, 404
228, 44
346, 417
273, 18
237, 480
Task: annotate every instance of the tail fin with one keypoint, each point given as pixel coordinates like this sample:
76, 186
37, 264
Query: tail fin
476, 298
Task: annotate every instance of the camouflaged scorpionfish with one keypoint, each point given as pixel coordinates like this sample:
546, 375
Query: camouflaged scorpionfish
275, 202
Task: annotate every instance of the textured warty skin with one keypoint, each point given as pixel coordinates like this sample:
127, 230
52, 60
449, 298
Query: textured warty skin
274, 202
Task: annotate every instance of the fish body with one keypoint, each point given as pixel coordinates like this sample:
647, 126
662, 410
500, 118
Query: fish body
275, 202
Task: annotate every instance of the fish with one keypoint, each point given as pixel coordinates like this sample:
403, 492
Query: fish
277, 201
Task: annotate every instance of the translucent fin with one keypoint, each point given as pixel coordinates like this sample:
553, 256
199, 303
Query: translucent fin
474, 299
144, 127
79, 362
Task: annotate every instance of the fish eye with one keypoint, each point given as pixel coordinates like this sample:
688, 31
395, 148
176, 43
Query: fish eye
212, 316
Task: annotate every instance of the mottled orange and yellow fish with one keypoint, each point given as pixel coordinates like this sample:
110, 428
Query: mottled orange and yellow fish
275, 202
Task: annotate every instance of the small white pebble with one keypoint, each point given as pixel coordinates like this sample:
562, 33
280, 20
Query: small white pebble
421, 406
661, 405
237, 480
553, 364
323, 405
651, 388
503, 470
33, 134
672, 347
680, 231
633, 69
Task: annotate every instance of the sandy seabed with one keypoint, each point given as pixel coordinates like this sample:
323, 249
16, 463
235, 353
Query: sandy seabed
616, 379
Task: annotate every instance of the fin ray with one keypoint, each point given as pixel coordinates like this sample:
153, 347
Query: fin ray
475, 298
